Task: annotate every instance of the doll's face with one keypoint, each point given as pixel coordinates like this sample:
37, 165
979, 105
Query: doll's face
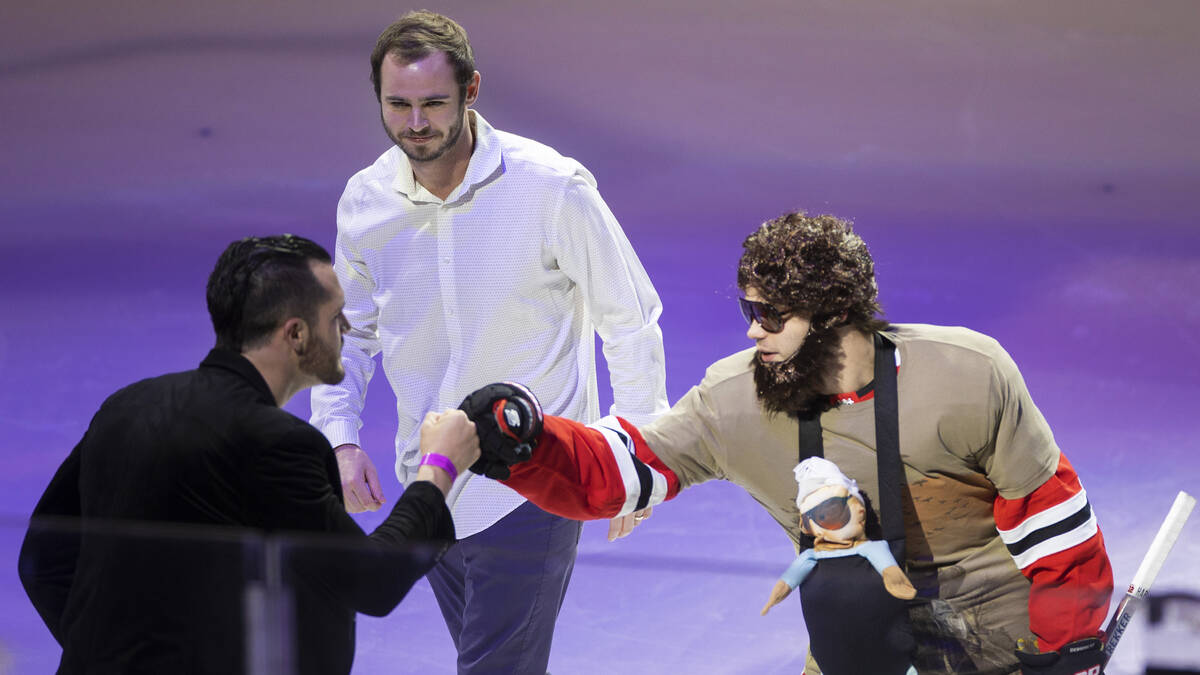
831, 514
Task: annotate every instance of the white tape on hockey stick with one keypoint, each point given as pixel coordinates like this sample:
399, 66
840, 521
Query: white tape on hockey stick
1148, 570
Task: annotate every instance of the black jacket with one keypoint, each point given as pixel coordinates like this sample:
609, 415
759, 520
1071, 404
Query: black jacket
176, 479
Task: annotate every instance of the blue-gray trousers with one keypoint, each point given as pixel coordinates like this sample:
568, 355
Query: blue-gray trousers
500, 591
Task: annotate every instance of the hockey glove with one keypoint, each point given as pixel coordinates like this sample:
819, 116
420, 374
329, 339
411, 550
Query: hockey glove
1082, 657
508, 419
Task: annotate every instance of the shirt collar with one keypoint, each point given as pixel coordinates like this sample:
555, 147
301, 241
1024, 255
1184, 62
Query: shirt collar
227, 359
485, 159
865, 394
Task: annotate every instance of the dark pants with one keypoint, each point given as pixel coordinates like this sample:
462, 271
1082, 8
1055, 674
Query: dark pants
500, 591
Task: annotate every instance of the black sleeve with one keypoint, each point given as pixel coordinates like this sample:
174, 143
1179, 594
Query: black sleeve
377, 576
50, 550
419, 515
368, 574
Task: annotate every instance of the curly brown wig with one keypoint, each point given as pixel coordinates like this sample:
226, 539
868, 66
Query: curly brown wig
813, 265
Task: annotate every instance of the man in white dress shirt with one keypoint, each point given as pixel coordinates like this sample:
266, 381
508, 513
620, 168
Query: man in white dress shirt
470, 255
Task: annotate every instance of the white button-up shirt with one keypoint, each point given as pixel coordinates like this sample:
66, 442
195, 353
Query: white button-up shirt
508, 278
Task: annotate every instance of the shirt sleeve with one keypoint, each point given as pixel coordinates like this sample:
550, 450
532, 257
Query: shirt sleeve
1053, 537
1044, 518
879, 554
337, 409
594, 252
800, 568
687, 438
591, 472
50, 552
613, 467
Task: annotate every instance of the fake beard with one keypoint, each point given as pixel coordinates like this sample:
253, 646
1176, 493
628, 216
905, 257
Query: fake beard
798, 386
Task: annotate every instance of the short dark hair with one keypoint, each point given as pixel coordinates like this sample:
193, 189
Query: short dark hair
260, 282
417, 35
816, 265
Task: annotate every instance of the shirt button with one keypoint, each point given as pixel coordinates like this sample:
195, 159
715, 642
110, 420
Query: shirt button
446, 260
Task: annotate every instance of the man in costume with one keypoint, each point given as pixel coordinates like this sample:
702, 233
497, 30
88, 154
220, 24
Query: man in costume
997, 533
174, 469
468, 255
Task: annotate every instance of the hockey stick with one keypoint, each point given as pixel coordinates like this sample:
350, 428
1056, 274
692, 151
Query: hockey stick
1151, 564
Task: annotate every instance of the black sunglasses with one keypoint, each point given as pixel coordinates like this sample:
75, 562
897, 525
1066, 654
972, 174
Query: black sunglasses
768, 317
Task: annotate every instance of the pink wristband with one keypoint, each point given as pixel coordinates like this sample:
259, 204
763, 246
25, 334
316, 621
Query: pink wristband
442, 462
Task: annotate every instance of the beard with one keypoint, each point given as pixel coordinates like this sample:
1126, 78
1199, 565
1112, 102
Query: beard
423, 154
322, 361
799, 386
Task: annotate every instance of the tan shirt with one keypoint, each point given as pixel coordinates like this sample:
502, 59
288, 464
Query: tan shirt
968, 431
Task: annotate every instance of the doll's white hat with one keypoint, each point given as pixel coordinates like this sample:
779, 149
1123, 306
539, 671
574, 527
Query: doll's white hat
817, 472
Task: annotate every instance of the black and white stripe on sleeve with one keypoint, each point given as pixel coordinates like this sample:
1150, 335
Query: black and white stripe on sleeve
644, 486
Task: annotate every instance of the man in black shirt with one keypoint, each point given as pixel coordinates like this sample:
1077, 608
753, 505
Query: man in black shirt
212, 447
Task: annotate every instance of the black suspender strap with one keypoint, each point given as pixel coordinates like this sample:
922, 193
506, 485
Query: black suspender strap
887, 447
811, 444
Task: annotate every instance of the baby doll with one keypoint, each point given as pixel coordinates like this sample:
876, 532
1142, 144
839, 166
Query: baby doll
833, 513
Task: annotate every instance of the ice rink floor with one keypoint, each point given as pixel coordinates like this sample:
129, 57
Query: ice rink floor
1033, 175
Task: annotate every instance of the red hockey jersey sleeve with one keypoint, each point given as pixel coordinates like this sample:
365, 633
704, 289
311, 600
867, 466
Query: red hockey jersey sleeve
593, 472
1053, 537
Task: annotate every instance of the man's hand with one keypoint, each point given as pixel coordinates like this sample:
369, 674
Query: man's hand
453, 436
621, 526
360, 483
1082, 657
